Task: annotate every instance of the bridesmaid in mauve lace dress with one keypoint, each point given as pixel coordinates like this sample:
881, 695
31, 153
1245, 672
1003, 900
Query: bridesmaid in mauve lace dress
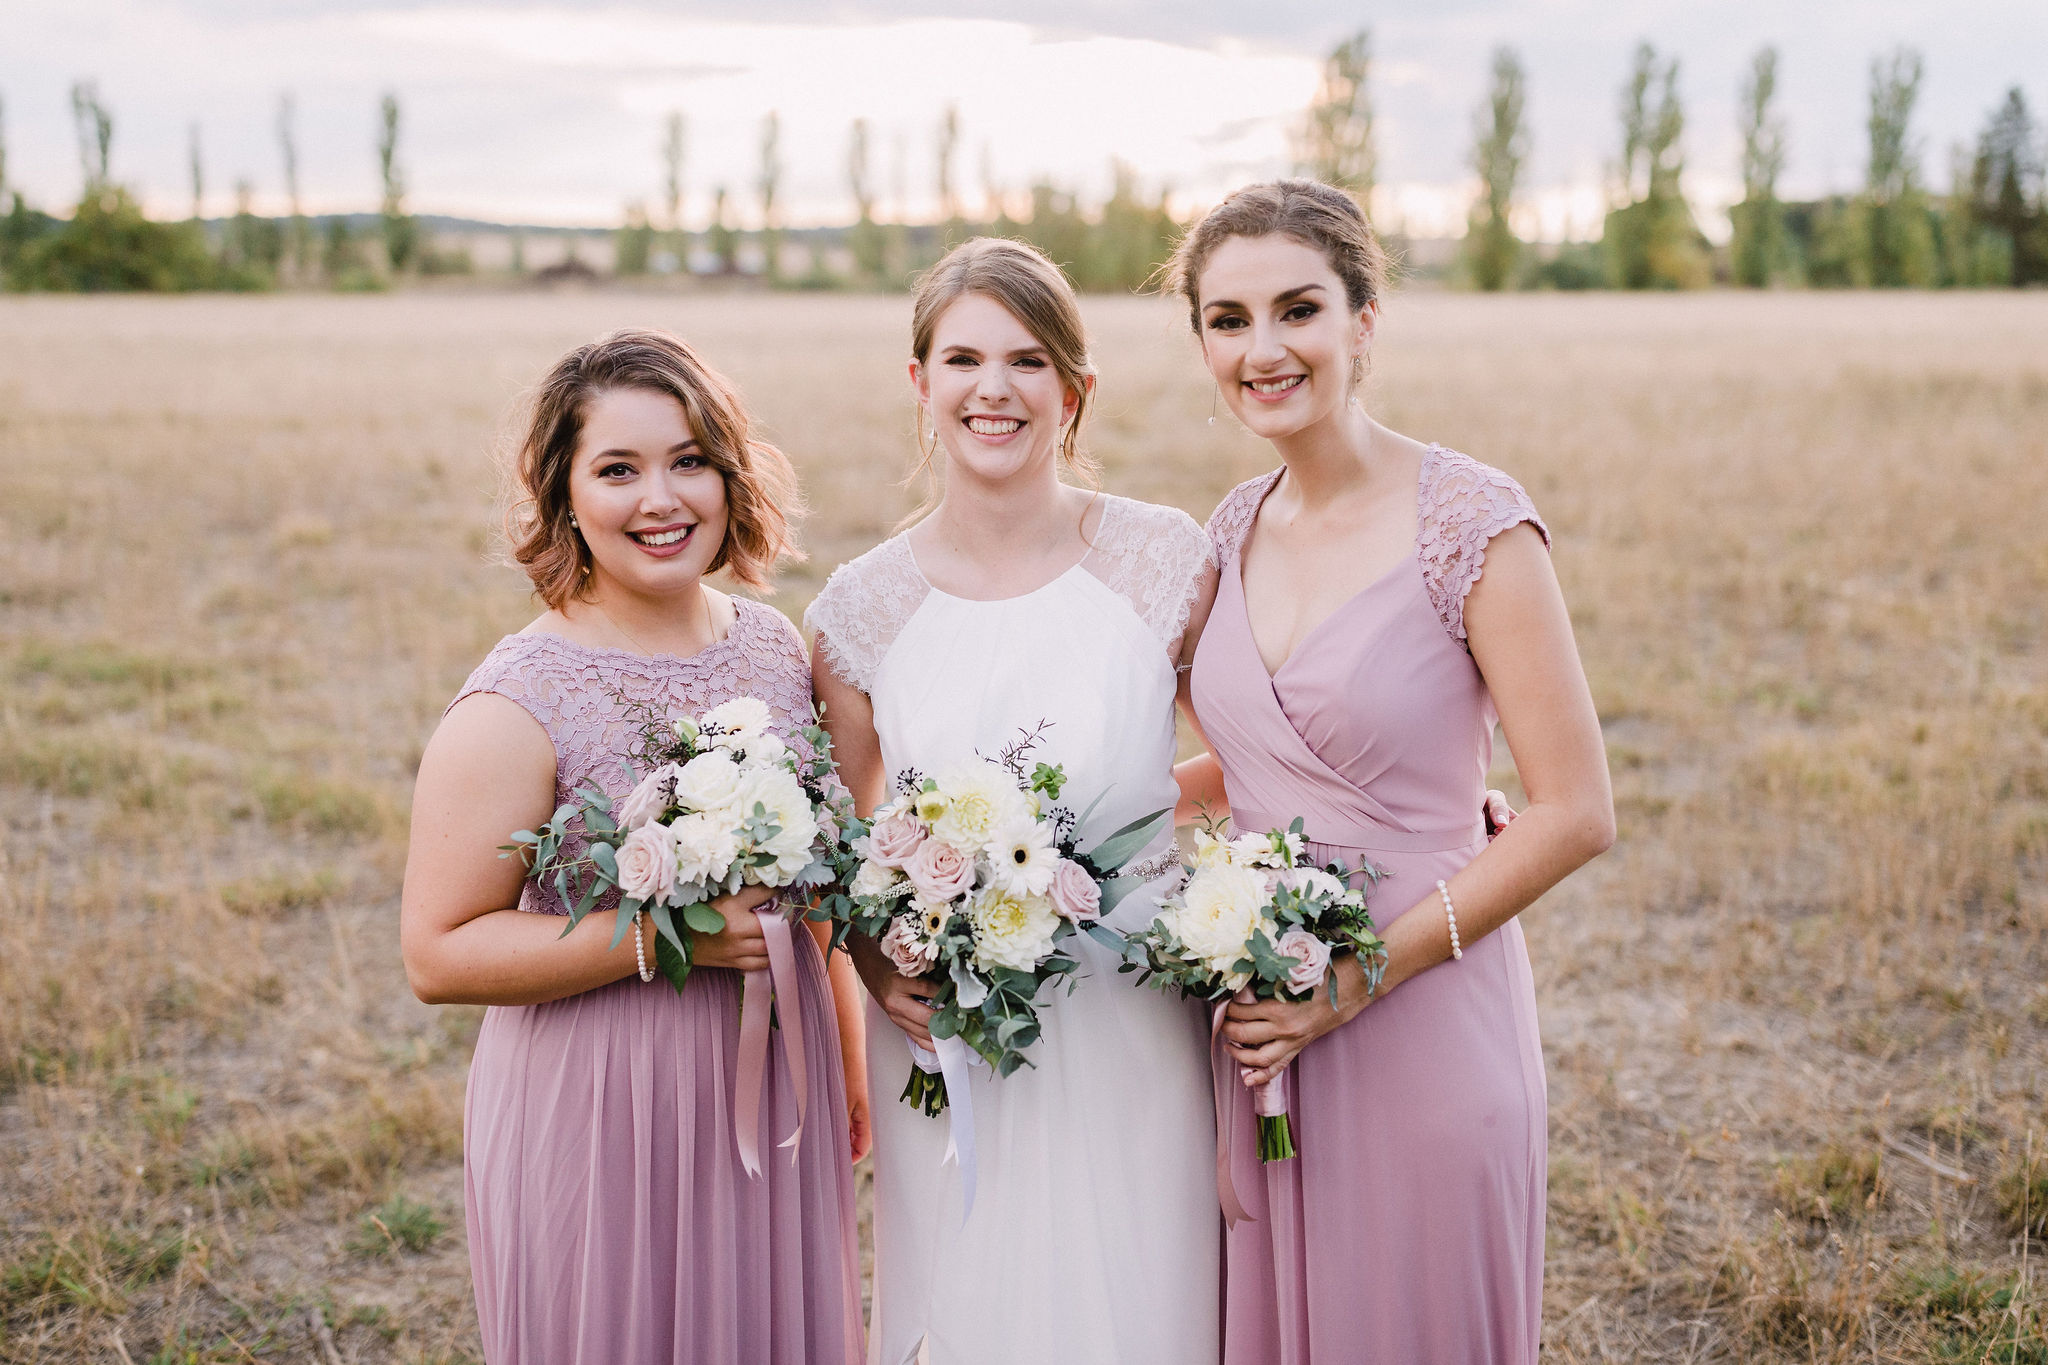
1350, 672
610, 1219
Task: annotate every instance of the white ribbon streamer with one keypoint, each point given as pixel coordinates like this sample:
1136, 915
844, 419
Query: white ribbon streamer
951, 1061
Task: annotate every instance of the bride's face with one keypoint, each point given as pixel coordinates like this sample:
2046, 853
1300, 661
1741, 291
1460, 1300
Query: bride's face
990, 391
1278, 334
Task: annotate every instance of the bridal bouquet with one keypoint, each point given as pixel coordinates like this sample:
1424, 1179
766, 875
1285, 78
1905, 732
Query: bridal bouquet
970, 880
1256, 916
723, 803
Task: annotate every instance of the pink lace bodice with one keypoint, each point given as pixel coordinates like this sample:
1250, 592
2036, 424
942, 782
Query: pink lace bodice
575, 691
1460, 505
1153, 557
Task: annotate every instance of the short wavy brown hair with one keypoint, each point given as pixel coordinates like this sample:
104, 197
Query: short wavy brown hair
761, 495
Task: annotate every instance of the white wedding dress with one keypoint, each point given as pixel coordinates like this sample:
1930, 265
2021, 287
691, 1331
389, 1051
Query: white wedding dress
1094, 1234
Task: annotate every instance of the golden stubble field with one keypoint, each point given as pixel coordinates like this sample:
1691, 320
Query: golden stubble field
1796, 1022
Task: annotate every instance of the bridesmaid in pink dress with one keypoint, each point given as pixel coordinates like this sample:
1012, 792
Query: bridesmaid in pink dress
1350, 673
610, 1219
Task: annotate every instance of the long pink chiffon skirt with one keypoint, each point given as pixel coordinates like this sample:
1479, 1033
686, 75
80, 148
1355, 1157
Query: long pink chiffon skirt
610, 1220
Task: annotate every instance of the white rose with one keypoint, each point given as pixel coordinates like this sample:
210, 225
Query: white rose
777, 791
648, 800
708, 781
705, 846
981, 797
1219, 911
1011, 930
876, 880
647, 863
738, 720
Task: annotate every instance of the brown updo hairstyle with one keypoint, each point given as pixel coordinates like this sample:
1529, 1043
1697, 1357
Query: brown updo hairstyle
1036, 292
761, 495
1321, 217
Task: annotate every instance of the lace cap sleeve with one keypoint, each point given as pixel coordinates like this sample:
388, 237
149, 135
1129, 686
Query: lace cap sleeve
1233, 517
862, 608
1153, 557
1463, 505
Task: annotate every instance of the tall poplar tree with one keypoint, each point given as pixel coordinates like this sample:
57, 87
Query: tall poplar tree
1501, 150
401, 233
1335, 144
770, 186
1760, 245
1897, 227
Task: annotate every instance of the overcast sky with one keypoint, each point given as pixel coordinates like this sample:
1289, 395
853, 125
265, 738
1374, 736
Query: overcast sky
552, 112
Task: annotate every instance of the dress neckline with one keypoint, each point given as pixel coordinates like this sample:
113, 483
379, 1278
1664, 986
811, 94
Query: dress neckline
1109, 502
742, 608
1429, 455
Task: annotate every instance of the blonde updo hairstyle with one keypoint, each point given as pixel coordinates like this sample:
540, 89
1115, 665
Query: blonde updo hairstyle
1319, 216
1036, 292
761, 495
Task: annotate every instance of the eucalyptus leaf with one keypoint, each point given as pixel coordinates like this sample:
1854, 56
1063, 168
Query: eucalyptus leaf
702, 919
1118, 848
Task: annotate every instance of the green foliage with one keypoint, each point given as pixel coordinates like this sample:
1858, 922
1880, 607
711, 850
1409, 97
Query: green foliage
1837, 1182
89, 1270
2023, 1194
1492, 251
1651, 242
633, 244
1572, 266
1761, 248
1977, 1318
396, 1225
322, 806
1335, 144
724, 241
401, 232
106, 245
1893, 221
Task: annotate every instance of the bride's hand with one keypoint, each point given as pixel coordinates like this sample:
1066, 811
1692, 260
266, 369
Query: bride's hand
905, 999
1263, 1036
740, 945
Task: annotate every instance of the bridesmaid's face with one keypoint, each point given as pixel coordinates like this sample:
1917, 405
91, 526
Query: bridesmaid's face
991, 390
649, 502
1278, 334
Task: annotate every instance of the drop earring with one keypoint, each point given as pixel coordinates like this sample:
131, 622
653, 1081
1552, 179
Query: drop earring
573, 522
1212, 405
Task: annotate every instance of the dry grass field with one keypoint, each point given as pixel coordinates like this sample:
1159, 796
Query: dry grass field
1796, 1022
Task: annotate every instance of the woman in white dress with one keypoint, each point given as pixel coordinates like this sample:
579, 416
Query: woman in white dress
1020, 600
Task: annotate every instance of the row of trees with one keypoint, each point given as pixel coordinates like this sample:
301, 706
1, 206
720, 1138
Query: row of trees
1118, 246
109, 243
1990, 229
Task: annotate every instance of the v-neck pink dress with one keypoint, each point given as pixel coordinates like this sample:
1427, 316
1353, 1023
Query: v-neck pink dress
1410, 1228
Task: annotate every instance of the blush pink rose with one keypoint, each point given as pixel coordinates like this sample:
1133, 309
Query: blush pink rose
904, 944
1312, 959
1074, 893
939, 871
647, 863
892, 841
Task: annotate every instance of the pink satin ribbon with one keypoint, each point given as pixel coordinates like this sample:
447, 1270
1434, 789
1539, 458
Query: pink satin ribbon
1232, 1103
776, 986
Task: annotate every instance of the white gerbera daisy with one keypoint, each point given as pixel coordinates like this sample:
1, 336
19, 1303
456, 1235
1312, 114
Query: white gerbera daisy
1021, 857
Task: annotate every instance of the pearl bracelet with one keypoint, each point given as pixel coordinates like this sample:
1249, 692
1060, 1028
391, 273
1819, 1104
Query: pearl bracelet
1451, 916
640, 949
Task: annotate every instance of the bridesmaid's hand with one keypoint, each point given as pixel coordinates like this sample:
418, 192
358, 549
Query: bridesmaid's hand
1265, 1035
905, 999
858, 1124
740, 945
1499, 814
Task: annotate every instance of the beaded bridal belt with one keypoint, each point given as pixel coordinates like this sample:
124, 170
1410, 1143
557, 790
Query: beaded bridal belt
1167, 860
